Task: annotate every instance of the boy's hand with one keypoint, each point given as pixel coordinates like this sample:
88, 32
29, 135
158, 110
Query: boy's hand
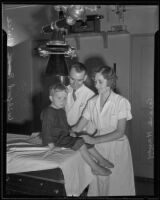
74, 129
51, 147
73, 134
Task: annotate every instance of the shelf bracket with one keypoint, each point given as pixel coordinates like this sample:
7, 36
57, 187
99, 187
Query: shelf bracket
77, 37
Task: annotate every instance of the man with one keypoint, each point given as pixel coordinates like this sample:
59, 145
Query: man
78, 95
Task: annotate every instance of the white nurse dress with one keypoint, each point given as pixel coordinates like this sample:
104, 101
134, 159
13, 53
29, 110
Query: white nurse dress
121, 181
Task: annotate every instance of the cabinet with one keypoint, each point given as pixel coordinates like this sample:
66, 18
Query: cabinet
36, 183
77, 37
142, 100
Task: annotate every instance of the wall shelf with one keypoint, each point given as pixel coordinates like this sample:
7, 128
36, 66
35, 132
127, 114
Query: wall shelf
77, 37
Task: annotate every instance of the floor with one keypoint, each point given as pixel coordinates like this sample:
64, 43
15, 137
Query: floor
143, 186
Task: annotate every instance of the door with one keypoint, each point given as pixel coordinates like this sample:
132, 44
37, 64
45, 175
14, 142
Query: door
142, 100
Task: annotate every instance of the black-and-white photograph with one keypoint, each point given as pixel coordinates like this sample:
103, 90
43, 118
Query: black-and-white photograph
79, 100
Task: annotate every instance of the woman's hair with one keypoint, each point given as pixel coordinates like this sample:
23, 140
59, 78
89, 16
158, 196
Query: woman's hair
79, 67
109, 74
57, 87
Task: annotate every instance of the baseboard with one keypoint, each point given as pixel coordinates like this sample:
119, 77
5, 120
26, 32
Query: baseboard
144, 186
144, 179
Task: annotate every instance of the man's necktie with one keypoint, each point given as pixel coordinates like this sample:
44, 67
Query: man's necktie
74, 95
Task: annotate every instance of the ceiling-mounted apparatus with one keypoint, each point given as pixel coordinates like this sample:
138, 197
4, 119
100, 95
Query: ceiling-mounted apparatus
72, 13
71, 16
57, 49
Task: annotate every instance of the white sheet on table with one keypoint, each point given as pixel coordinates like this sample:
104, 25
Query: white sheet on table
77, 174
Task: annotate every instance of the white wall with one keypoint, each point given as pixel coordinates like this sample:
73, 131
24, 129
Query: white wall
93, 54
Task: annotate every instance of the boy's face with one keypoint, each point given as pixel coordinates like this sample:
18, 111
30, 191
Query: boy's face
58, 98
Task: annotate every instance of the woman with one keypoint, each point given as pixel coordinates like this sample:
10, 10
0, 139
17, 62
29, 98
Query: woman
109, 113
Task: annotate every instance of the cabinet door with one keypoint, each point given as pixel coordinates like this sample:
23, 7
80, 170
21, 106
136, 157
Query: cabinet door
142, 94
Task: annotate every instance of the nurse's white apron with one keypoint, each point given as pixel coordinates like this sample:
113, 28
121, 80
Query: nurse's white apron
121, 181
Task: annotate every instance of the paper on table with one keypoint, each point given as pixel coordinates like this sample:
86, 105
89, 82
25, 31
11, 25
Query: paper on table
18, 143
28, 148
33, 149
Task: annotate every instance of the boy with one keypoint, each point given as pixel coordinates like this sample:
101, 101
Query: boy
55, 132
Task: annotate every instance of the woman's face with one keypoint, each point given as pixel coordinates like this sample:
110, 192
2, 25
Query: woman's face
100, 83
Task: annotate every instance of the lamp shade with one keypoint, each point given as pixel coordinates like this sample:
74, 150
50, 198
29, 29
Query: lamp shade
57, 65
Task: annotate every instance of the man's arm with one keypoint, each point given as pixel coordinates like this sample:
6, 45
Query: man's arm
80, 126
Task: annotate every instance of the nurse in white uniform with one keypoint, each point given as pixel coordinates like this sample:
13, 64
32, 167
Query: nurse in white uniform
109, 113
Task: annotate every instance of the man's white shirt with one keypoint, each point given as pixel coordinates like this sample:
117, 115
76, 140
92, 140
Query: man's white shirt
75, 108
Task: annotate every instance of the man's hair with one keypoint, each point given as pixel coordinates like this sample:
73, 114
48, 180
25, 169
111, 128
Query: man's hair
57, 87
79, 67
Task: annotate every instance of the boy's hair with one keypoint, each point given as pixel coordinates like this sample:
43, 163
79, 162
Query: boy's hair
57, 87
79, 67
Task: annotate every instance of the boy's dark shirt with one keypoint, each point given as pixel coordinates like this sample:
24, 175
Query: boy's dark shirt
55, 129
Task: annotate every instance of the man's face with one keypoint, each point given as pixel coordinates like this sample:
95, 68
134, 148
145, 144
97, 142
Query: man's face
77, 78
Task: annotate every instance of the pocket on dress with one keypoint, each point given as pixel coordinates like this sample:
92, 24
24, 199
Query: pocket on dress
114, 121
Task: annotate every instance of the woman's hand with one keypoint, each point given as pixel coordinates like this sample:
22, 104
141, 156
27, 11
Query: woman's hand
88, 139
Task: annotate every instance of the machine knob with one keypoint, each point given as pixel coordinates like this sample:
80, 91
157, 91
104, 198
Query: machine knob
7, 179
56, 191
41, 184
20, 179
